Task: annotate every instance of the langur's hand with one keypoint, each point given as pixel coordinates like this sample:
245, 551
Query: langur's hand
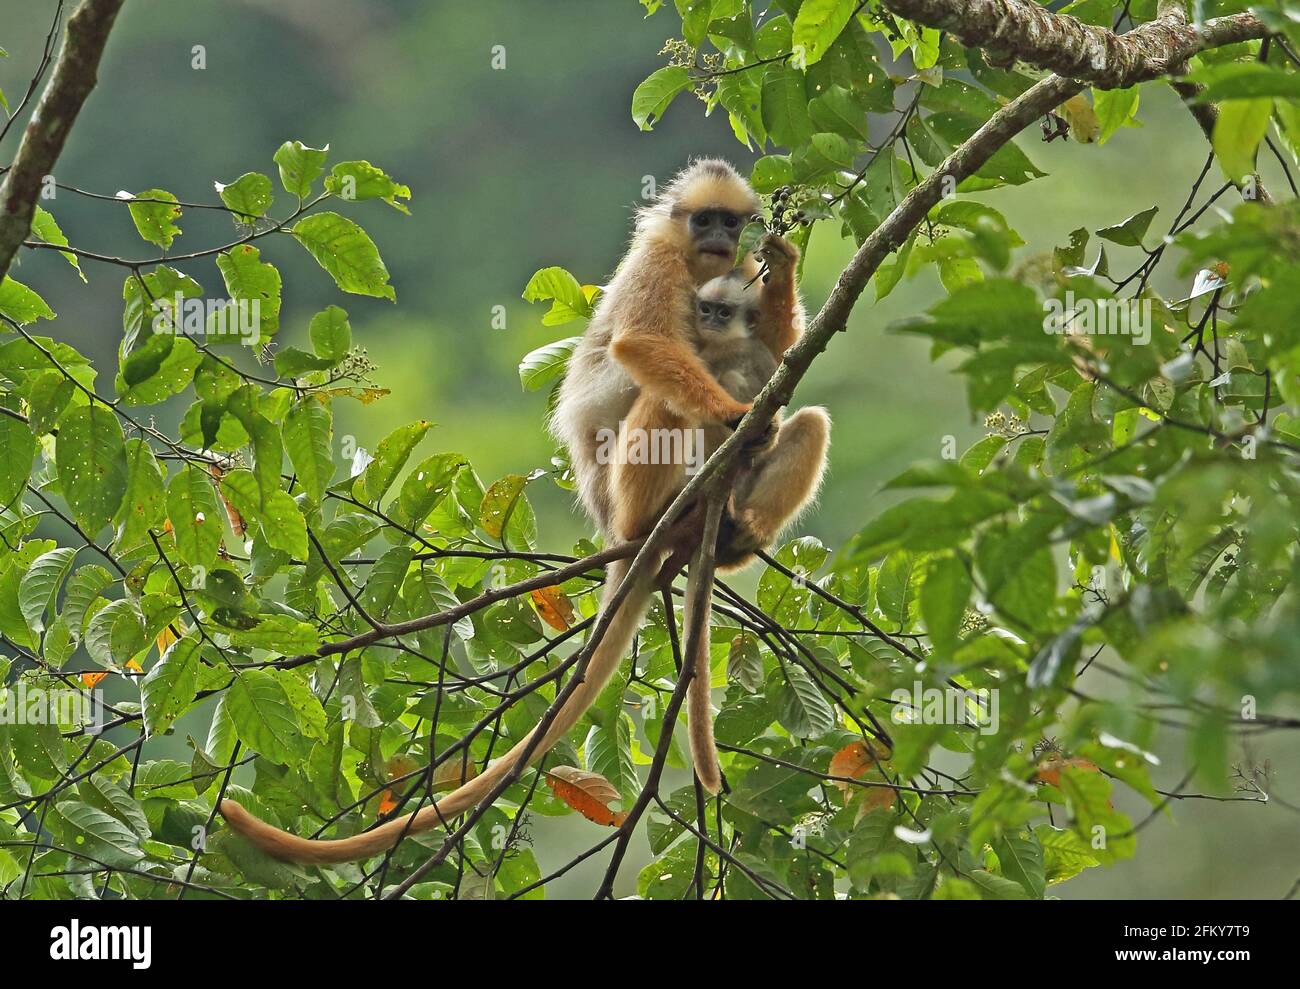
779, 255
765, 440
732, 422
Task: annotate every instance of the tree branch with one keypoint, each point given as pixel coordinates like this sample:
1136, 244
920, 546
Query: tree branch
74, 77
1024, 31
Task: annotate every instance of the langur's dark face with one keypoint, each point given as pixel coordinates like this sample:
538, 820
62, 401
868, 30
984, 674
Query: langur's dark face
715, 231
719, 315
714, 315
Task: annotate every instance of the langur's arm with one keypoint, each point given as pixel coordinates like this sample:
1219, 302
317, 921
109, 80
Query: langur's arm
780, 314
653, 314
668, 368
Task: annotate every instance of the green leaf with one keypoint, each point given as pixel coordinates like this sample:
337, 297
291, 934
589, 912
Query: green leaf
569, 301
116, 633
91, 832
17, 451
21, 304
168, 689
944, 595
1229, 81
1065, 854
745, 662
996, 887
155, 221
264, 719
608, 750
547, 363
425, 486
770, 173
331, 334
345, 251
85, 587
278, 633
785, 106
299, 166
651, 99
91, 457
48, 395
308, 439
801, 709
1242, 124
1114, 108
897, 587
255, 286
1129, 233
283, 524
145, 502
358, 180
1021, 860
248, 197
385, 580
162, 367
390, 457
817, 25
46, 228
115, 801
40, 585
195, 516
268, 448
836, 110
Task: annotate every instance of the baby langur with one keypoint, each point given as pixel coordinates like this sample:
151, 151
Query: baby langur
726, 316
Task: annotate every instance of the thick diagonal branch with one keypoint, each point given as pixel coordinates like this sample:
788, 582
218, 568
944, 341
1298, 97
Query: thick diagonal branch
1023, 30
74, 77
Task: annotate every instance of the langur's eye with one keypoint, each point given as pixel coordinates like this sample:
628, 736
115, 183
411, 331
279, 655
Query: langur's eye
732, 222
724, 312
705, 308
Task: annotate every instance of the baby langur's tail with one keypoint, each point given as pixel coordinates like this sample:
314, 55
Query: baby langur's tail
604, 660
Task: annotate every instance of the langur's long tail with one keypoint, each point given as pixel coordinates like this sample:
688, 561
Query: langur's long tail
604, 660
699, 708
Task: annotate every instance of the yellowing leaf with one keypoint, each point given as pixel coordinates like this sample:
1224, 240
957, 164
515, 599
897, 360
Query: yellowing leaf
365, 396
92, 680
554, 607
1084, 125
854, 761
875, 798
165, 638
588, 793
452, 774
499, 502
1049, 770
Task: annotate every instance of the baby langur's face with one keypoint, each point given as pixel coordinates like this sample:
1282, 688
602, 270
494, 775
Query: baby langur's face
724, 305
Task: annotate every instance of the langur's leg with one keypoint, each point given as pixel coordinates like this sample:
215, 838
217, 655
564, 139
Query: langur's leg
782, 481
642, 487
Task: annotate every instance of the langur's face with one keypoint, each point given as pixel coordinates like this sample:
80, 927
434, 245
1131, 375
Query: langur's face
714, 316
715, 231
719, 309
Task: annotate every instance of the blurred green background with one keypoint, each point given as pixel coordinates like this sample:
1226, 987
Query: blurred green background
535, 164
